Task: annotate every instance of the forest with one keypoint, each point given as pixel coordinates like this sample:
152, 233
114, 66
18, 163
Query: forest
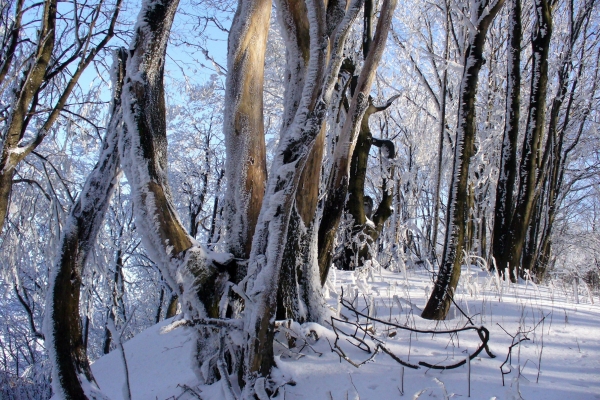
261, 171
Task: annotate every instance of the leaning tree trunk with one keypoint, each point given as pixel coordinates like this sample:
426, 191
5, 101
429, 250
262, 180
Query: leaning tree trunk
71, 374
530, 160
458, 211
243, 126
185, 265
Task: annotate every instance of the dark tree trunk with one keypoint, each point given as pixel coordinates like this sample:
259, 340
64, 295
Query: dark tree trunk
364, 235
458, 211
530, 160
508, 158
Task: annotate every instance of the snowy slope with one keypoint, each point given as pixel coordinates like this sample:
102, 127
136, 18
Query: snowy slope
159, 363
568, 338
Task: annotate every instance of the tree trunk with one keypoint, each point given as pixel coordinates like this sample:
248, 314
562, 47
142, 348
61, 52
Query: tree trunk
337, 186
364, 234
243, 126
556, 136
442, 128
185, 265
530, 160
508, 158
62, 322
12, 153
290, 159
37, 73
458, 211
292, 296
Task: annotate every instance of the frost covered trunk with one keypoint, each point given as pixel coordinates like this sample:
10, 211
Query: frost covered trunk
508, 156
71, 374
291, 156
243, 124
337, 185
530, 157
296, 285
458, 211
185, 266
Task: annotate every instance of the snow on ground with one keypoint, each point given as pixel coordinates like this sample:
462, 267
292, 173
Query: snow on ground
556, 355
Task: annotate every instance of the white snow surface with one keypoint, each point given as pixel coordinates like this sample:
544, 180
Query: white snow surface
161, 366
159, 359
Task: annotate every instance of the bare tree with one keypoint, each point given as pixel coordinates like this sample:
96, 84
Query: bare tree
62, 326
38, 71
458, 210
337, 185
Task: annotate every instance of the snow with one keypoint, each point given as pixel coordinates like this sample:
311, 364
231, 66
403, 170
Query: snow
161, 359
159, 362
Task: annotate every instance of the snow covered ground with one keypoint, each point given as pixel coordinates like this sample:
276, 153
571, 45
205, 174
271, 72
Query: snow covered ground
555, 329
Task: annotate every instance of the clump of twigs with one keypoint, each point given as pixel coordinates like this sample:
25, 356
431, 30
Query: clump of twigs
517, 338
359, 330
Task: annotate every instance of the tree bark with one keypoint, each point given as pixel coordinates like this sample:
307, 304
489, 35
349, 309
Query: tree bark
36, 74
185, 265
508, 156
243, 126
363, 233
337, 185
540, 258
33, 77
530, 160
63, 334
290, 159
442, 128
458, 211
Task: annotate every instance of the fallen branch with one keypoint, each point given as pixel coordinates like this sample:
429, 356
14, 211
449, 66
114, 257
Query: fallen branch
364, 331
